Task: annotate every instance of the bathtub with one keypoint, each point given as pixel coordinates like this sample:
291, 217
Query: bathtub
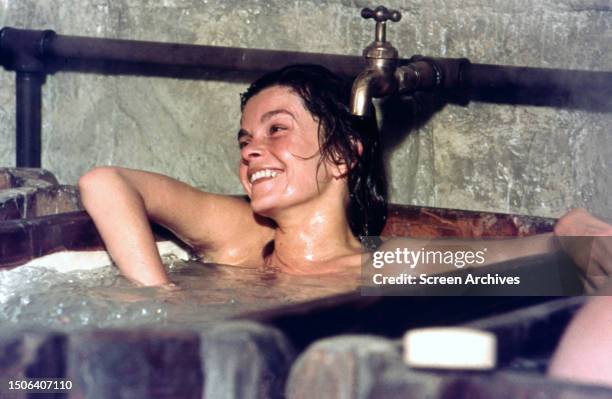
246, 337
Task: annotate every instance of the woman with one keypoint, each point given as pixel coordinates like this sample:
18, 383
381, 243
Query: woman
312, 171
314, 177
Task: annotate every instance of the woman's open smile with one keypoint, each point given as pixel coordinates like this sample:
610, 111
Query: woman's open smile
263, 175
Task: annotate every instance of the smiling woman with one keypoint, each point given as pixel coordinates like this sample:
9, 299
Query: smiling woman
312, 171
349, 145
314, 176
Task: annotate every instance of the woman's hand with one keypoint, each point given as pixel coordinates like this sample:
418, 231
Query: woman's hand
588, 241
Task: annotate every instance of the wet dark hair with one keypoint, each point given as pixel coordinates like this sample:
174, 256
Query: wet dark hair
326, 96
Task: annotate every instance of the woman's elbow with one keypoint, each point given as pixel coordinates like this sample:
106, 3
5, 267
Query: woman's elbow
97, 180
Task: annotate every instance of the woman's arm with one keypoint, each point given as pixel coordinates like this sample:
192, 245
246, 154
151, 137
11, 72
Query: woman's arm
585, 350
118, 210
586, 239
121, 201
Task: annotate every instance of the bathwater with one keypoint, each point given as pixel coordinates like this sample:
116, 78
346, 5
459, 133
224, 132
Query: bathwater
101, 297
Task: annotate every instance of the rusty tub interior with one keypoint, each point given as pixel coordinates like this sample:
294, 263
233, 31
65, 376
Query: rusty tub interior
234, 333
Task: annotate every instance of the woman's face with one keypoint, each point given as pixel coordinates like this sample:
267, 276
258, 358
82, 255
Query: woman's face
280, 152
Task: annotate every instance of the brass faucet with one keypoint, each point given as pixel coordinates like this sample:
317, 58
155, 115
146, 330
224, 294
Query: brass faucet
386, 74
378, 79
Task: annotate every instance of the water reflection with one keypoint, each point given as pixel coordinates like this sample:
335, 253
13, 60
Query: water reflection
41, 297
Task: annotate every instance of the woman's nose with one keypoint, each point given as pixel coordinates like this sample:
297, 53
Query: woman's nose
254, 149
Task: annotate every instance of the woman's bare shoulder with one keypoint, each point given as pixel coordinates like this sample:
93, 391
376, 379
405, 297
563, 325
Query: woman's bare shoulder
227, 223
204, 220
231, 233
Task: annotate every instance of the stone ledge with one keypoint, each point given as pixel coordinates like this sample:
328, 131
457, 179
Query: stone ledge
342, 367
228, 347
30, 354
225, 360
136, 364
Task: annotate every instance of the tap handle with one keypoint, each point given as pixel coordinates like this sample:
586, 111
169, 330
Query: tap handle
381, 15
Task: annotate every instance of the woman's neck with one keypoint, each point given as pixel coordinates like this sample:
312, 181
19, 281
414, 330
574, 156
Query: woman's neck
314, 240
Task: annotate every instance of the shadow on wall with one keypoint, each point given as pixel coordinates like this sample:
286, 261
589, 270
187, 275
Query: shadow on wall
402, 115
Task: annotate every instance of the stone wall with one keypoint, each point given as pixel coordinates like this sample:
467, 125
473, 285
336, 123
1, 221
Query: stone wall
519, 159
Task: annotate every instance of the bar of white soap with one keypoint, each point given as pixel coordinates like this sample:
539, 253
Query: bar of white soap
450, 348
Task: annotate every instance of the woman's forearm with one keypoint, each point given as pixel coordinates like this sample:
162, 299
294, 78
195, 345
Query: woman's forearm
119, 214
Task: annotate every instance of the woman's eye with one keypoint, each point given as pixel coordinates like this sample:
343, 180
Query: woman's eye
277, 128
242, 144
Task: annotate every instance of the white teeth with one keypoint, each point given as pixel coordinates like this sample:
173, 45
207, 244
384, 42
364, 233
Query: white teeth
260, 174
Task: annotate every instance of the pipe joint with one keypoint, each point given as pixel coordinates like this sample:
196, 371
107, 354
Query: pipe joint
24, 50
447, 73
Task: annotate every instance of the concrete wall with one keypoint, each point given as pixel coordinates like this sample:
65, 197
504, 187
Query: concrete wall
533, 160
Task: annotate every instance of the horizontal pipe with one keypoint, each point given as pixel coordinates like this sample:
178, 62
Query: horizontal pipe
189, 55
483, 76
465, 75
589, 90
261, 60
474, 76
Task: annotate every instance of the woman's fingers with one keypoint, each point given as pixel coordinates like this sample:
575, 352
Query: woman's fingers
590, 254
588, 241
579, 222
600, 264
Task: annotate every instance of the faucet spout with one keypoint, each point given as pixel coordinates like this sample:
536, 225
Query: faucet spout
373, 82
361, 94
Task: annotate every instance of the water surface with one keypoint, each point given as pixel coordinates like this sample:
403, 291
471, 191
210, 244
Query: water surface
44, 297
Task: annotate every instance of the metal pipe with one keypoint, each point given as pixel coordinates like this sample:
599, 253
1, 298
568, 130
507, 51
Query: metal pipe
28, 109
474, 76
586, 90
22, 51
483, 76
188, 55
